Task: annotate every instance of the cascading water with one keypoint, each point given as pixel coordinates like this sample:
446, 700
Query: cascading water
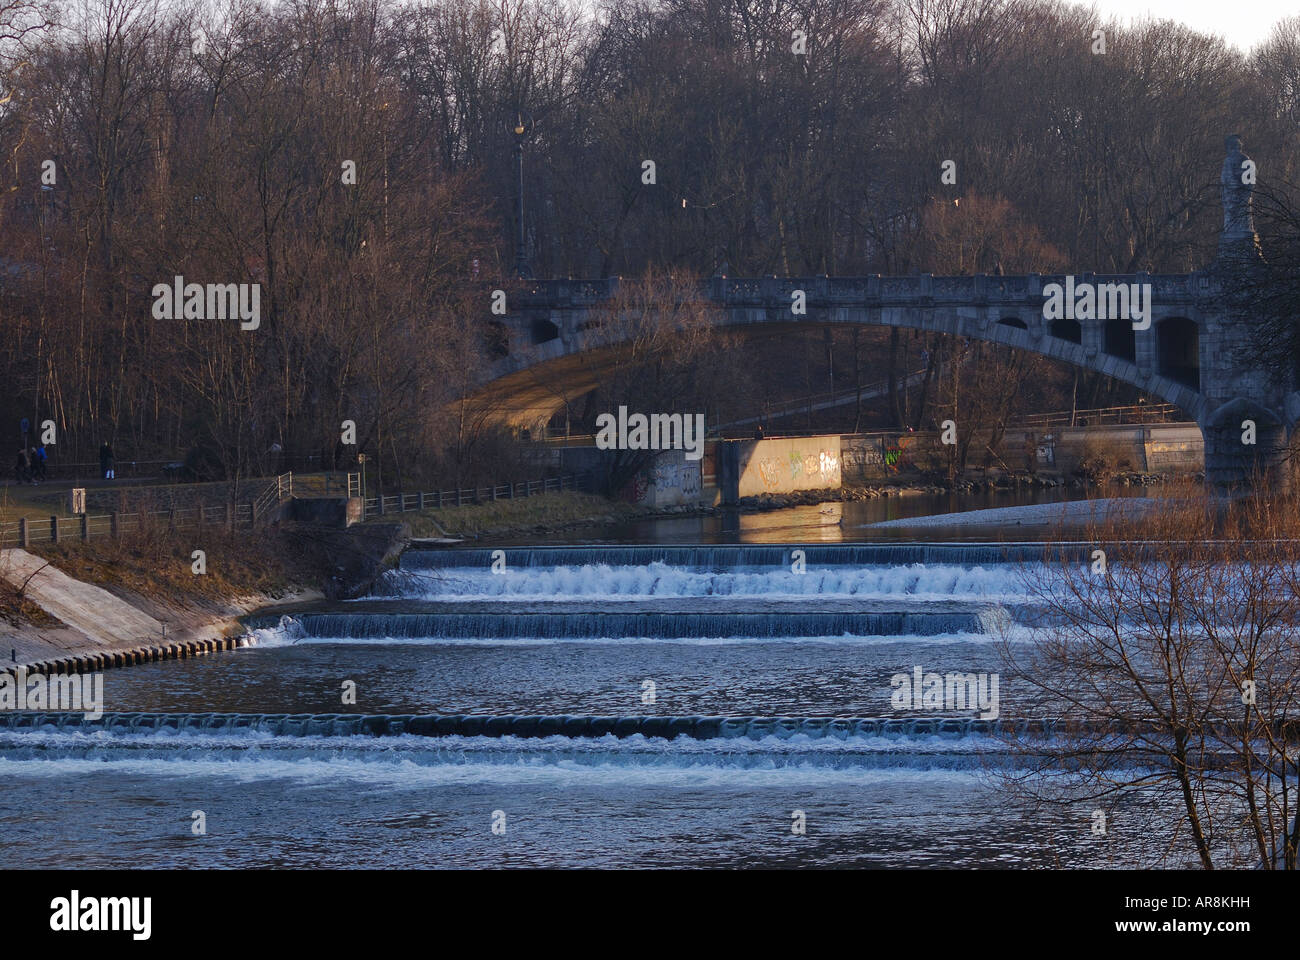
713, 681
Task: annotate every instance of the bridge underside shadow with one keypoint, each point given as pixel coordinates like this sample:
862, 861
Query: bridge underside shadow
536, 381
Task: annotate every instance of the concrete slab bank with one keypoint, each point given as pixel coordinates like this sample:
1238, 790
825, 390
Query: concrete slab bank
100, 630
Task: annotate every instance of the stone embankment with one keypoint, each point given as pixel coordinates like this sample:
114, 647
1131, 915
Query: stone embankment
87, 628
799, 498
83, 626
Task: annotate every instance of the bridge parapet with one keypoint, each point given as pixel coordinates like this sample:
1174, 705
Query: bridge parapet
1024, 290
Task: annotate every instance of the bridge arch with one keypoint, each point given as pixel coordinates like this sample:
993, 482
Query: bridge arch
1065, 329
1119, 339
1178, 351
1159, 360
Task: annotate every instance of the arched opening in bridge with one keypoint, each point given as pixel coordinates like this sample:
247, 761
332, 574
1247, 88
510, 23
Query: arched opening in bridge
1064, 329
544, 331
1013, 322
1178, 348
1119, 340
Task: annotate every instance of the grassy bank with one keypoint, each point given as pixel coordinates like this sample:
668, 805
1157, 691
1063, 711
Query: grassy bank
550, 511
159, 565
16, 610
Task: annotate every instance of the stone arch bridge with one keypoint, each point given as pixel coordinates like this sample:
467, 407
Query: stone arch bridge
1187, 355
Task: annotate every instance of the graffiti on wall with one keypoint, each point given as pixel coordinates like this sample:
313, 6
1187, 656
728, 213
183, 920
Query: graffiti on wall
667, 476
638, 489
824, 464
769, 471
863, 455
896, 454
676, 475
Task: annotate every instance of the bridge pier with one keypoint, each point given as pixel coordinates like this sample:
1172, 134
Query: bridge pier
1246, 448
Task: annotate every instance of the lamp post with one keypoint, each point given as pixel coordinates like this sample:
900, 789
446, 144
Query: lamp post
522, 269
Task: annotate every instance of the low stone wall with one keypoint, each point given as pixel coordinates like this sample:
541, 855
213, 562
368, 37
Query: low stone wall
1175, 448
330, 511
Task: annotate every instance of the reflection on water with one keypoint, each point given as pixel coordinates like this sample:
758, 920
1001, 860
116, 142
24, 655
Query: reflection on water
831, 522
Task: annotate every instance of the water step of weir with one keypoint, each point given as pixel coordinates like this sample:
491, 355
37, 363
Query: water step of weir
676, 617
708, 605
734, 556
109, 659
466, 725
579, 726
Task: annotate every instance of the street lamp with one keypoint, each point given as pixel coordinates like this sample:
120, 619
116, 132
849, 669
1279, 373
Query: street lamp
521, 128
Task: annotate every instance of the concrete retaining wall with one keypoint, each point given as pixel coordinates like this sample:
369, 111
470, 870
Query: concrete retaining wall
330, 511
1175, 448
749, 468
671, 481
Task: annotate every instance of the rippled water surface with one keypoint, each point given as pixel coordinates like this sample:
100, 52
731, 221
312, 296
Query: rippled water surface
731, 633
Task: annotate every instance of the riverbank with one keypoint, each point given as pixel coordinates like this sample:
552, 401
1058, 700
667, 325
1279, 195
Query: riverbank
122, 599
557, 512
144, 597
546, 513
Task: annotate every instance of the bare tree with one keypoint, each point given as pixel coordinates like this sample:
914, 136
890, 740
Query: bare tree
1172, 660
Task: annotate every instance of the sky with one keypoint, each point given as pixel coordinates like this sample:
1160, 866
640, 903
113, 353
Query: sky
1243, 23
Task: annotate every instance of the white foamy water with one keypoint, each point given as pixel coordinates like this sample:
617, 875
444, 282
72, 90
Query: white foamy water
407, 761
293, 636
918, 581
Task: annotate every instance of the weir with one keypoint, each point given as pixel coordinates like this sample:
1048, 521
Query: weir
591, 623
463, 725
740, 556
577, 726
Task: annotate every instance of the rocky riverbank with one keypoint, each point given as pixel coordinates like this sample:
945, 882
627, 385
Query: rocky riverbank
857, 492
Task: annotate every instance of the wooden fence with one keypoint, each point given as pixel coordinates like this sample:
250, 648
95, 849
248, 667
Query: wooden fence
264, 507
26, 531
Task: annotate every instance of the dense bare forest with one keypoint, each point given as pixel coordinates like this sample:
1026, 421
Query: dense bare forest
356, 160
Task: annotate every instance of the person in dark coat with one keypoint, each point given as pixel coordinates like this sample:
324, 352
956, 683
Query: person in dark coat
106, 461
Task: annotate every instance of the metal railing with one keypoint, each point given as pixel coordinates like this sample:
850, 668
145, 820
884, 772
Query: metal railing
276, 492
1102, 416
437, 499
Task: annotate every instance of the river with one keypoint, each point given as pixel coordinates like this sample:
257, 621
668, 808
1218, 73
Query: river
760, 616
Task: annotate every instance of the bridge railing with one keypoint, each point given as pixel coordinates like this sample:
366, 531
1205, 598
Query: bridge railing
559, 293
1102, 416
